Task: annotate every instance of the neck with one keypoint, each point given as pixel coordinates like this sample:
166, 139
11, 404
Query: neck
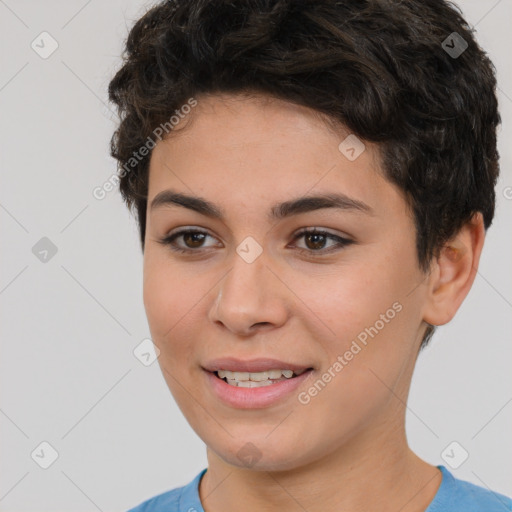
376, 470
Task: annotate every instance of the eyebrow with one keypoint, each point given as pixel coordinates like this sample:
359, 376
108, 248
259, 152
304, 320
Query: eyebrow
279, 211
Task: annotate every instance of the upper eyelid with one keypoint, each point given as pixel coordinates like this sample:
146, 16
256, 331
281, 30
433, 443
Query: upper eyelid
194, 230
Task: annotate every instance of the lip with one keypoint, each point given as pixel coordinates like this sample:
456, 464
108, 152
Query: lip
251, 365
254, 398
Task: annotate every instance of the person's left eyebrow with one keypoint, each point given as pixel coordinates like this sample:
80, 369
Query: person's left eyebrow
277, 212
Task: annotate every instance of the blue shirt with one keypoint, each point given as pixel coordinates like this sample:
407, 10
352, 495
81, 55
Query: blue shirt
453, 495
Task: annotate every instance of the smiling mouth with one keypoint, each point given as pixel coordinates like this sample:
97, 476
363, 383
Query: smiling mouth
257, 379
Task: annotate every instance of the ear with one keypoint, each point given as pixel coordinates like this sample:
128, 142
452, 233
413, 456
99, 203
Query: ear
453, 272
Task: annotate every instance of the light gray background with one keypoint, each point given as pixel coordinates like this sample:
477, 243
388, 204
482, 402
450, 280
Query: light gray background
70, 325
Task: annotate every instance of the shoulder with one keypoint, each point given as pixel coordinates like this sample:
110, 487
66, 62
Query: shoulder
459, 495
181, 498
167, 501
472, 497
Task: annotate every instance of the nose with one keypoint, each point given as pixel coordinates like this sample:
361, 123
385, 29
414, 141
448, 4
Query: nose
250, 298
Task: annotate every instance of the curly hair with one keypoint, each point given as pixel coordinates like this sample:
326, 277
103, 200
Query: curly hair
381, 68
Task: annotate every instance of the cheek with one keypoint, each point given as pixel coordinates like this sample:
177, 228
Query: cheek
168, 300
175, 303
159, 300
169, 303
365, 317
348, 300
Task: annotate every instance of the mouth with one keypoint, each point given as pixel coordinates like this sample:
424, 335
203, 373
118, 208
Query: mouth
256, 389
257, 379
255, 383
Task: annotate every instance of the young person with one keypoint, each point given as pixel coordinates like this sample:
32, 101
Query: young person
313, 181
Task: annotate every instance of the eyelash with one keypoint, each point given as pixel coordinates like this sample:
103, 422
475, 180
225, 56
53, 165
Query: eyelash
341, 242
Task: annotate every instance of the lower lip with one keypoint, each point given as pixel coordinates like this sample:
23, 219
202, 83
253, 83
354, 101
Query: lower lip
254, 398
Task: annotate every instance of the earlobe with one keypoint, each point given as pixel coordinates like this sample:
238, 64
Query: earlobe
453, 272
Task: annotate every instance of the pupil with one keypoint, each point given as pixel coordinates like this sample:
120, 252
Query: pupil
318, 245
192, 235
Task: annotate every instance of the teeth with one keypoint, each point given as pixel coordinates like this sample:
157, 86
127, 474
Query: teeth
256, 379
256, 376
261, 376
250, 383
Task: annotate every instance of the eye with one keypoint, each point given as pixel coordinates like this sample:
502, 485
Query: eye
194, 237
316, 239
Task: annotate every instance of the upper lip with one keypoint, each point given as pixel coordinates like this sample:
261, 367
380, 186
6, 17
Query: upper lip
251, 365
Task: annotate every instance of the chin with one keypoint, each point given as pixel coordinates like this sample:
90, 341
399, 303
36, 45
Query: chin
260, 454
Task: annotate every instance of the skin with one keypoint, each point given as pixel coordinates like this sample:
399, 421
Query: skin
247, 153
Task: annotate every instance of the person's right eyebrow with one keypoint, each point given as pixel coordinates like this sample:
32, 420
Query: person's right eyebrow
279, 211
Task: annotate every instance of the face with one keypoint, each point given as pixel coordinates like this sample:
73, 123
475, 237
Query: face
253, 292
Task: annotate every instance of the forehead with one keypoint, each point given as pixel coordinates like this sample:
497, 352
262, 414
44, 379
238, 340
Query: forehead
253, 148
252, 120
